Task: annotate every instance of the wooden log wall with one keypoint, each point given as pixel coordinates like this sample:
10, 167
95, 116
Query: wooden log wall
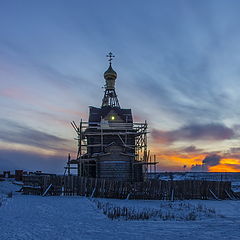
150, 189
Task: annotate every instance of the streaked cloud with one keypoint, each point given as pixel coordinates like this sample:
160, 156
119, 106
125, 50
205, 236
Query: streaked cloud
193, 132
14, 132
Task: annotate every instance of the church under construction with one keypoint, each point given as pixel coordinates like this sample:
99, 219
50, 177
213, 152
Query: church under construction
110, 144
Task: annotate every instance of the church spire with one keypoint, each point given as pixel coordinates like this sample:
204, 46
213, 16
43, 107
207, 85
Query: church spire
110, 96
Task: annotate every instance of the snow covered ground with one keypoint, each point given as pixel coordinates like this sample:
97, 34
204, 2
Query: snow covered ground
210, 176
35, 217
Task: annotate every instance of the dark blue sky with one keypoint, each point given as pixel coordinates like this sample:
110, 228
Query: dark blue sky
178, 65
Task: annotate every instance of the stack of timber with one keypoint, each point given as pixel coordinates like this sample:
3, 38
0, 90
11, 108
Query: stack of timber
150, 189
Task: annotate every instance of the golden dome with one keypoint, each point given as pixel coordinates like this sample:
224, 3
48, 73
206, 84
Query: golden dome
110, 74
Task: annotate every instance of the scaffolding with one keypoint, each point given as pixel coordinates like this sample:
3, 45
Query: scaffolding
110, 145
84, 161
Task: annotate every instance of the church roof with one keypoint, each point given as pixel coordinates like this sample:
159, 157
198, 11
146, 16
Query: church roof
95, 114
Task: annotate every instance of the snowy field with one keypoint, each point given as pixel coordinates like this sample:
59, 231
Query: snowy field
35, 217
211, 176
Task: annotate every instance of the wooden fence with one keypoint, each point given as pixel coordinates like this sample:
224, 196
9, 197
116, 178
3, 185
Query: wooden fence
150, 189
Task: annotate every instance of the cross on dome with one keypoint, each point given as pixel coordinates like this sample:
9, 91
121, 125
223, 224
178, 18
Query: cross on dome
110, 56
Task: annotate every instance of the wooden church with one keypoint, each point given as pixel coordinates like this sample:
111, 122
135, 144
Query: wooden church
110, 144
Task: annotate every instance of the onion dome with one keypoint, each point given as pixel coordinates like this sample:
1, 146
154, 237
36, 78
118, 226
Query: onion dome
110, 74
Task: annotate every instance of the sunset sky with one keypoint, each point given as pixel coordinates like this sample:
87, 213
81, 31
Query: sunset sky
178, 65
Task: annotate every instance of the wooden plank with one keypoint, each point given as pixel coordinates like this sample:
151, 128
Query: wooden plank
46, 191
231, 197
213, 194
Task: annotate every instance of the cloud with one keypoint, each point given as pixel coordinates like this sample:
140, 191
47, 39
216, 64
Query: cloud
211, 160
234, 150
209, 132
191, 149
233, 156
16, 133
